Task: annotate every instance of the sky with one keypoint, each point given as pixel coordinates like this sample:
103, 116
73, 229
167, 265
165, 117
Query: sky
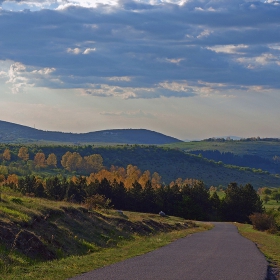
191, 69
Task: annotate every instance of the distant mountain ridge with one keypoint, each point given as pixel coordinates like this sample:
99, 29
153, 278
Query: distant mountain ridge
16, 133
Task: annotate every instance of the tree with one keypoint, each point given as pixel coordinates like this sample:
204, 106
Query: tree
144, 178
93, 163
12, 180
7, 155
136, 197
276, 196
72, 161
27, 185
54, 188
156, 179
97, 201
266, 198
40, 160
52, 160
240, 202
65, 158
149, 198
23, 153
216, 205
267, 191
119, 195
132, 175
4, 170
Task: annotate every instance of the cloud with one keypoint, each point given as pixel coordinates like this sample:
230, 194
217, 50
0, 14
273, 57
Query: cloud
74, 51
141, 49
132, 114
20, 76
160, 90
230, 49
89, 50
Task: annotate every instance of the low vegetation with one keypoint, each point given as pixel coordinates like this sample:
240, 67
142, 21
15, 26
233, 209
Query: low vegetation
269, 245
39, 235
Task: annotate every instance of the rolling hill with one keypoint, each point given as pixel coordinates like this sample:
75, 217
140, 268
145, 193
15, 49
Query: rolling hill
15, 133
169, 163
251, 152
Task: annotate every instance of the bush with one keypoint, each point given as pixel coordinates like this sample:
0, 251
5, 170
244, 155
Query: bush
97, 202
262, 221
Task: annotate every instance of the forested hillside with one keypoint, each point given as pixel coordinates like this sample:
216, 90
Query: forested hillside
14, 133
170, 164
252, 152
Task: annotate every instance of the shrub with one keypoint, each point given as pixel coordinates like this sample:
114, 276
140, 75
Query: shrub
97, 201
262, 221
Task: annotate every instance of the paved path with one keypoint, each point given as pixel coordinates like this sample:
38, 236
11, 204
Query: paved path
218, 254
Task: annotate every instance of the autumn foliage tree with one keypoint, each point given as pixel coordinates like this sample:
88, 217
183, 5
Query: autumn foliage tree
7, 155
52, 160
23, 153
93, 163
12, 180
40, 160
88, 164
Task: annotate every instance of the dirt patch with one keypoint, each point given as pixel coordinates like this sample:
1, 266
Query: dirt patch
24, 241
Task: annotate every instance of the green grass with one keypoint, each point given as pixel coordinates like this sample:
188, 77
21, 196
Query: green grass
13, 214
78, 240
269, 244
271, 204
74, 265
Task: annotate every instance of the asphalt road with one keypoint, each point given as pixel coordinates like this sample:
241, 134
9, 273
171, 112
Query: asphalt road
220, 253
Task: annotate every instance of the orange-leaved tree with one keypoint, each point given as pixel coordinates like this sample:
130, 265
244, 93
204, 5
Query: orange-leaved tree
23, 153
52, 160
40, 160
7, 155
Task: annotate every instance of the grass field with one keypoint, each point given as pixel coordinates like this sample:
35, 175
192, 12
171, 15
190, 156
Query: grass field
269, 244
271, 204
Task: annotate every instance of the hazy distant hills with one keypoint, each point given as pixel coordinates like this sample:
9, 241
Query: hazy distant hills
15, 133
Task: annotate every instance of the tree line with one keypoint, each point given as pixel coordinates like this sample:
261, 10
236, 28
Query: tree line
70, 161
189, 200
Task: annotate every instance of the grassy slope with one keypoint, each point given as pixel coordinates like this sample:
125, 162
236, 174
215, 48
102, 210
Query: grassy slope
41, 239
268, 244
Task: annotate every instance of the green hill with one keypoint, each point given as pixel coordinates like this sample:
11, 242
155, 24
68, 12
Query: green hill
15, 133
252, 152
169, 163
172, 164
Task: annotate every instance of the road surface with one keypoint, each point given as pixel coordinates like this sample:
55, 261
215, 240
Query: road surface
218, 254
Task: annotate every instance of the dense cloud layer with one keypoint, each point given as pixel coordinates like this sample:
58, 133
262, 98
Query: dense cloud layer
141, 49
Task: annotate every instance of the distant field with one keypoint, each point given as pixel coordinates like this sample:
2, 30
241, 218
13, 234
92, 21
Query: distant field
266, 149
